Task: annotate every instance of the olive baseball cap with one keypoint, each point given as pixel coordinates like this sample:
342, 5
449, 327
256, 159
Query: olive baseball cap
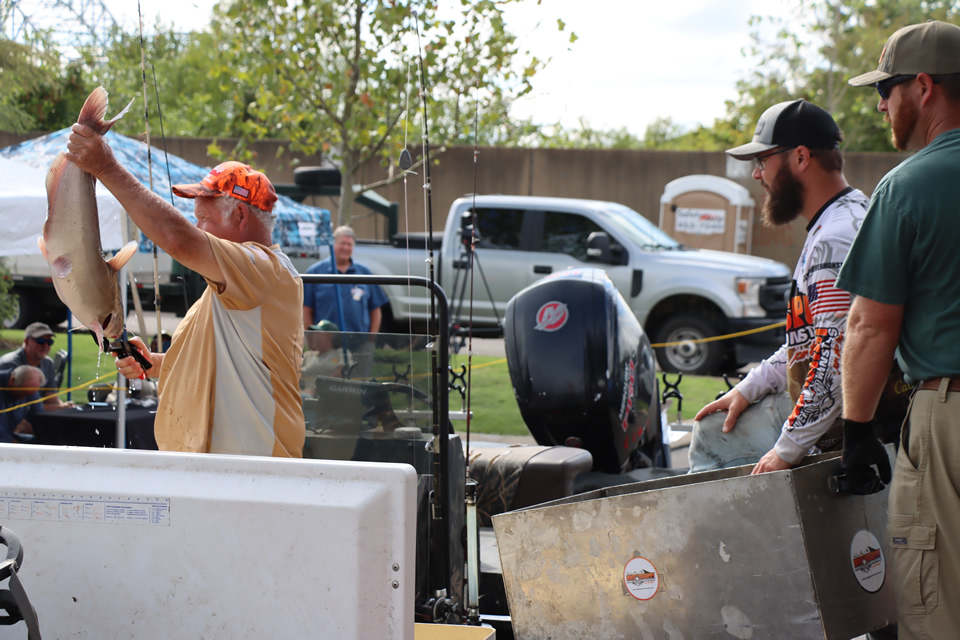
234, 179
791, 124
929, 47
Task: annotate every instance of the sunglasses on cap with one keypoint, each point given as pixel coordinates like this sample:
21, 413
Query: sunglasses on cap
45, 341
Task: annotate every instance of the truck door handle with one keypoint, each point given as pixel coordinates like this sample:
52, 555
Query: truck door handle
542, 269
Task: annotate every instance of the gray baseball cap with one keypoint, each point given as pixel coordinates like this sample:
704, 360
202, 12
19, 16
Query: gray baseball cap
929, 47
791, 124
37, 330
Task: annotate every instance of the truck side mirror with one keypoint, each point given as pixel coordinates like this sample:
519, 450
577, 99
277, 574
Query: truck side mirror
598, 247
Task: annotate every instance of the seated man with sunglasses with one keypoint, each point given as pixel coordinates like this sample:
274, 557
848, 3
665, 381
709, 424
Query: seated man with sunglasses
790, 404
37, 341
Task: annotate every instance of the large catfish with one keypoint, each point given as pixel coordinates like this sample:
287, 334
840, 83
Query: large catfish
85, 282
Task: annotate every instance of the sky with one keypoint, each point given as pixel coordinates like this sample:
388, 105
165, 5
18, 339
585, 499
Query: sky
634, 60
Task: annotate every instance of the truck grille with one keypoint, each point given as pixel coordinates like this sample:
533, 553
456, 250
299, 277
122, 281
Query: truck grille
774, 295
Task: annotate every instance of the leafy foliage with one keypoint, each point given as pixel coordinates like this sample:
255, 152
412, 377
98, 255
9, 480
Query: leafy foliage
25, 70
196, 98
6, 297
342, 77
812, 56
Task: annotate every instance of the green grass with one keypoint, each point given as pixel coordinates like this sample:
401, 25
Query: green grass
492, 402
491, 399
495, 409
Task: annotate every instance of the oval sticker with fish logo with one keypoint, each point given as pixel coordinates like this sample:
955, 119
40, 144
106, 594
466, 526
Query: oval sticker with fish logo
641, 579
552, 316
866, 558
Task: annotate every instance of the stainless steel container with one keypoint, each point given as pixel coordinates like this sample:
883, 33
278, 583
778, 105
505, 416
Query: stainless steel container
721, 554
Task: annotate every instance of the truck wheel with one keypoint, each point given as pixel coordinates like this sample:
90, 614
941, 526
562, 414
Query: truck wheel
692, 358
22, 313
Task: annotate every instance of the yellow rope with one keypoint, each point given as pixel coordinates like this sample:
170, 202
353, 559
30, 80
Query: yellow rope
726, 337
60, 393
479, 366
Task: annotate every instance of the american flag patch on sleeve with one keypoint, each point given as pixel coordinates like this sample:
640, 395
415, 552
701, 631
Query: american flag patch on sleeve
825, 297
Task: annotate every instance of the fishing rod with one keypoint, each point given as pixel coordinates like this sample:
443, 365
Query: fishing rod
439, 603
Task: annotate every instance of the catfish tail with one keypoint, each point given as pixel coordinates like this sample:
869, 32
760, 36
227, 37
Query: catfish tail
95, 108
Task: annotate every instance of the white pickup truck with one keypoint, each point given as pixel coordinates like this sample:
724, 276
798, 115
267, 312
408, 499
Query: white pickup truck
679, 294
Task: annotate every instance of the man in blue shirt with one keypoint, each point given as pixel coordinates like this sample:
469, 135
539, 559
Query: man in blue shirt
360, 302
18, 386
359, 308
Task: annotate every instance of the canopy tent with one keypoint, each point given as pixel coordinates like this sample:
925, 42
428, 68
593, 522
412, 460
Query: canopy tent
23, 209
299, 227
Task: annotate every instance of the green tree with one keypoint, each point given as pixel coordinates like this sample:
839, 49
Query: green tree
55, 102
24, 69
813, 56
6, 298
196, 97
342, 77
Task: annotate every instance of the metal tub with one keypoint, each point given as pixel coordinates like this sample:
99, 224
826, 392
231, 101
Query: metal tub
721, 554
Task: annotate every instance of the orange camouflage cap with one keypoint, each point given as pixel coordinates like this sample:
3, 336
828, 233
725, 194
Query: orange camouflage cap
234, 179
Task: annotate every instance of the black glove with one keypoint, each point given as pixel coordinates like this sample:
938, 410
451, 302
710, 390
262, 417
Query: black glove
862, 450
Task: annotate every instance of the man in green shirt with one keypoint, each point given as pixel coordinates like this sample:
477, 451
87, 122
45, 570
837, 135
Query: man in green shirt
904, 269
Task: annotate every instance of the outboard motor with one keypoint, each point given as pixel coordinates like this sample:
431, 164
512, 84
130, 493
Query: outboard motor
583, 370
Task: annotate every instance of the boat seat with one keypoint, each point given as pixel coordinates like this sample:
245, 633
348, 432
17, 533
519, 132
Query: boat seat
510, 478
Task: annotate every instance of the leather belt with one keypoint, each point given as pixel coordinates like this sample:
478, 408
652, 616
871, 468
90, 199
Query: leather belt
934, 384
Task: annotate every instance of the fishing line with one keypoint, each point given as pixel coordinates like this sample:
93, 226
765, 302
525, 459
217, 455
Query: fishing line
473, 249
405, 162
146, 125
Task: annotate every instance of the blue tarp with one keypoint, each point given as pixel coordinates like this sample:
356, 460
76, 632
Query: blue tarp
300, 228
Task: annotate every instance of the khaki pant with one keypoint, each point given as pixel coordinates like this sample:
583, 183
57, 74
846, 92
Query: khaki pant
924, 518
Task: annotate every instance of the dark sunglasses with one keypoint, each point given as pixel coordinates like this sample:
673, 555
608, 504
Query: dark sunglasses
884, 86
45, 341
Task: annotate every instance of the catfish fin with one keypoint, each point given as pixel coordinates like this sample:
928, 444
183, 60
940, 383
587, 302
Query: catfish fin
123, 256
53, 178
61, 267
95, 108
110, 122
97, 329
43, 246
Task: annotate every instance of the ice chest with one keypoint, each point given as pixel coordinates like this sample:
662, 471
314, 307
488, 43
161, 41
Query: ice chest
720, 554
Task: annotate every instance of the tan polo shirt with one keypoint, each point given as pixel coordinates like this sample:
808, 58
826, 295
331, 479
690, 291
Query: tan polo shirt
230, 381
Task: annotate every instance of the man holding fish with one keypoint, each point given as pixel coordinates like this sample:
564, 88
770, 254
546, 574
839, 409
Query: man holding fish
230, 381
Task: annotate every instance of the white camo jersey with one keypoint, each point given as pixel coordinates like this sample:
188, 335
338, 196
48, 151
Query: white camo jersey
808, 363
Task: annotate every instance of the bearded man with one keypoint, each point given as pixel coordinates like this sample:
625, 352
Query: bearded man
790, 404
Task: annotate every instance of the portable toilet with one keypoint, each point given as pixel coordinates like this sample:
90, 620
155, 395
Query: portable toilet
708, 212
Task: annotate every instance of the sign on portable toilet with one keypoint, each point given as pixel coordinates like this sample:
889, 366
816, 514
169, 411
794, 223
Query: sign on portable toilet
708, 212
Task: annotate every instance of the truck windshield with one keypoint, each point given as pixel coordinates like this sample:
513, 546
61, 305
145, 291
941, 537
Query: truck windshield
638, 229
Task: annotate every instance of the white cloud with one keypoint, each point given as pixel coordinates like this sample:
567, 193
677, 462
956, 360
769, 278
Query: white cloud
636, 61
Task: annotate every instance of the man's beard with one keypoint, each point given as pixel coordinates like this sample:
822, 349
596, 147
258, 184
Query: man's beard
784, 201
901, 129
